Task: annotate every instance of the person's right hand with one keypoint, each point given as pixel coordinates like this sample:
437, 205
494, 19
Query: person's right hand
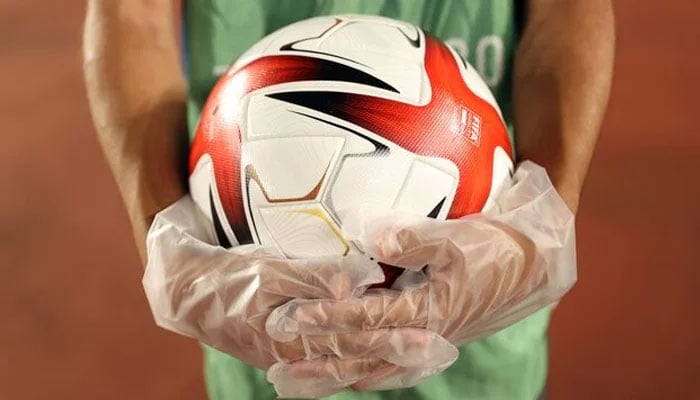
222, 297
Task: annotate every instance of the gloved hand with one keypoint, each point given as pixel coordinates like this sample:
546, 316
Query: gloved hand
472, 276
222, 297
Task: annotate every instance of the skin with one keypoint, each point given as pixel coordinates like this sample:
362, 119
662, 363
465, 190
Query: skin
563, 71
137, 95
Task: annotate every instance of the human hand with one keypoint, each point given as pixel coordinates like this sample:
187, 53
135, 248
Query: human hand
222, 297
483, 273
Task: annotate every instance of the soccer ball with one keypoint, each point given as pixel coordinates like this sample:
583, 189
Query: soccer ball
338, 113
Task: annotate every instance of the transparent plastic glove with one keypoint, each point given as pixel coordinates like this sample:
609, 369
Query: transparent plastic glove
417, 353
222, 297
473, 276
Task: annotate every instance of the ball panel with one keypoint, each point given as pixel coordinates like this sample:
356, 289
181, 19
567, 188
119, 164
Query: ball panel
302, 231
426, 191
290, 169
367, 181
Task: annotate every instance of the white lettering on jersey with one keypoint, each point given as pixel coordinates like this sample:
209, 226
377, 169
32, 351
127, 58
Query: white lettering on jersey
496, 44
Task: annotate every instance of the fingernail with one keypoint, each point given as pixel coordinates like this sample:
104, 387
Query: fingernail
288, 325
388, 244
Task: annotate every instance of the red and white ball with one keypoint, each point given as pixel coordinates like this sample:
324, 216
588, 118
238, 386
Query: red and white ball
334, 113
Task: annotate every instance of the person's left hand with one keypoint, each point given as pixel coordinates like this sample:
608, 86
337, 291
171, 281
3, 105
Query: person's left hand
473, 276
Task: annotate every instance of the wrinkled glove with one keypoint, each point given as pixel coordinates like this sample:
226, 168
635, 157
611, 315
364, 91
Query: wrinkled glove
471, 277
222, 297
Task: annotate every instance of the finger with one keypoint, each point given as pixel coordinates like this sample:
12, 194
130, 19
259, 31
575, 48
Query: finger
380, 374
318, 278
383, 309
407, 347
322, 377
414, 247
441, 244
392, 377
411, 241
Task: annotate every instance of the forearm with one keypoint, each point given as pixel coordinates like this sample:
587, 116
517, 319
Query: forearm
563, 72
136, 92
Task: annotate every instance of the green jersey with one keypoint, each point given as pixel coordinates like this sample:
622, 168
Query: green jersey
511, 364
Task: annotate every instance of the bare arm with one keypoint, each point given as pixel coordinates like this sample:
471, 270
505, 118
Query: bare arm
136, 92
563, 71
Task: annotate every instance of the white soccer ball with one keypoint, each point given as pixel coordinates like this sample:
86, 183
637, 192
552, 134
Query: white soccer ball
338, 113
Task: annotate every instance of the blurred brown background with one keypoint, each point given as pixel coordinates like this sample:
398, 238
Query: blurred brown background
74, 323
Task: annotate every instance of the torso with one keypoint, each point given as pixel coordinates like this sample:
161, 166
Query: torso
510, 364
